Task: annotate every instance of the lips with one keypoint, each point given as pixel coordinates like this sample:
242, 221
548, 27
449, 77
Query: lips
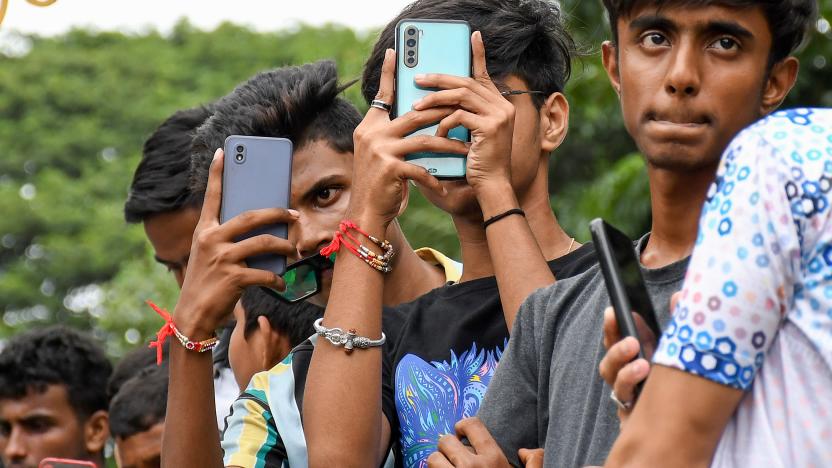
677, 126
684, 119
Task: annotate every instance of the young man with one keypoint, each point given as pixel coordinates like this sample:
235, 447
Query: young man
690, 76
137, 418
443, 347
303, 104
162, 201
53, 400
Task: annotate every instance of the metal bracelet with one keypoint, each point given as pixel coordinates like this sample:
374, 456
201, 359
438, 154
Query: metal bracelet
349, 339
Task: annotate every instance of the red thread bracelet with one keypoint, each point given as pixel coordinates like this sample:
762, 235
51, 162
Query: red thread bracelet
169, 329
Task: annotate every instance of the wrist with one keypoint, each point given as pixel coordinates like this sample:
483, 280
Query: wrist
495, 198
373, 224
190, 323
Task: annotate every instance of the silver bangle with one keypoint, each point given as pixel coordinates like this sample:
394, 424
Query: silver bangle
349, 339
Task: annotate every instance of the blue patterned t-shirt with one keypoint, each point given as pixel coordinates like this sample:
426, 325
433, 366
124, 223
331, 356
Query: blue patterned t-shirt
755, 312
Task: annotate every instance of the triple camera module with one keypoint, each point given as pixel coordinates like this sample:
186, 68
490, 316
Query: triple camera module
411, 47
241, 154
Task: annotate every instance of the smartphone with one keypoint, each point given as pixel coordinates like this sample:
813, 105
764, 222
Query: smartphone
64, 463
431, 46
625, 285
257, 174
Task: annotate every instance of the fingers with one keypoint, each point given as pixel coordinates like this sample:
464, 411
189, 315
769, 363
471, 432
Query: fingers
628, 377
246, 277
458, 97
263, 244
617, 357
437, 460
480, 68
611, 333
459, 117
412, 121
453, 450
427, 144
449, 82
674, 300
213, 193
476, 432
531, 458
387, 83
251, 220
421, 176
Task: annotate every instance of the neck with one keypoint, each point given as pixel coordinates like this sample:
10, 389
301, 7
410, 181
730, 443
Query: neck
676, 203
411, 276
551, 238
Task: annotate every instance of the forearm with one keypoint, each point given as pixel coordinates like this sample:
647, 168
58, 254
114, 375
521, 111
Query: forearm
191, 438
342, 400
518, 263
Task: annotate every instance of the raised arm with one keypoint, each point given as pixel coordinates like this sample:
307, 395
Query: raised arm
490, 118
343, 419
216, 276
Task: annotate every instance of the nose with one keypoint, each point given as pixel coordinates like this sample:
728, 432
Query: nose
683, 78
15, 450
310, 234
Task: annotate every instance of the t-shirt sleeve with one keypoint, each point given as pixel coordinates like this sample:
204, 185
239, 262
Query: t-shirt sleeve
509, 409
250, 438
737, 287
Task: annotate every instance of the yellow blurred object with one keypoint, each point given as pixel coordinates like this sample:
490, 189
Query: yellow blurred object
38, 3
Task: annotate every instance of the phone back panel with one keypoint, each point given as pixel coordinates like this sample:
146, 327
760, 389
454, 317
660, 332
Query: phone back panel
263, 179
443, 47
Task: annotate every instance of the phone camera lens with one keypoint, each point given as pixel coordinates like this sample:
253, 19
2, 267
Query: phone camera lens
411, 60
240, 148
411, 53
411, 32
411, 42
239, 157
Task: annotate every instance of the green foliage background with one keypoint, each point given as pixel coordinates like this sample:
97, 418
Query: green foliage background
76, 108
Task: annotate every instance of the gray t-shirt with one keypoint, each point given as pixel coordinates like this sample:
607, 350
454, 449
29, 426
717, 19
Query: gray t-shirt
546, 391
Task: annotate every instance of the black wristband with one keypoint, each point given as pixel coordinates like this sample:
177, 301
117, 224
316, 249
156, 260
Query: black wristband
494, 219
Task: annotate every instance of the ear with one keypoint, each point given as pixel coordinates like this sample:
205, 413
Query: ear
554, 122
781, 79
96, 431
609, 57
275, 344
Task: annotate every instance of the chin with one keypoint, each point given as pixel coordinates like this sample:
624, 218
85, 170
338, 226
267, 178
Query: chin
682, 158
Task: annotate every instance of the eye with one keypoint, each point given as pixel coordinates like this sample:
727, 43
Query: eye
5, 429
725, 43
654, 39
327, 195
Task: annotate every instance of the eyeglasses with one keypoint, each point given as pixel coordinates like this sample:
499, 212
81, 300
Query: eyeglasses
515, 92
303, 278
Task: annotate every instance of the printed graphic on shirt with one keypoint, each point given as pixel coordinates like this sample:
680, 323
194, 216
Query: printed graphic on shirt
432, 397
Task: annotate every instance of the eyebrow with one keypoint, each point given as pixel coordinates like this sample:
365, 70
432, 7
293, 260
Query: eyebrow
663, 23
322, 183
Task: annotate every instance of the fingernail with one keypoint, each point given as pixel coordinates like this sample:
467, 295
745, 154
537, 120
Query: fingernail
416, 103
419, 76
217, 153
294, 213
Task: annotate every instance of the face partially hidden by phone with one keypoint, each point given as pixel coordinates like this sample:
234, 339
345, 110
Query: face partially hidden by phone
40, 425
171, 234
321, 182
529, 161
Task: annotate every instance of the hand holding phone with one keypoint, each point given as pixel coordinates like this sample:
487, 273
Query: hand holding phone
257, 174
625, 285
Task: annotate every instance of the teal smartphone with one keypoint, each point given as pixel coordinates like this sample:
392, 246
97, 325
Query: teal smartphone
432, 46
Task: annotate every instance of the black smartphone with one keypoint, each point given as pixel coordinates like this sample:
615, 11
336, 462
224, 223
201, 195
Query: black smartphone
625, 285
257, 174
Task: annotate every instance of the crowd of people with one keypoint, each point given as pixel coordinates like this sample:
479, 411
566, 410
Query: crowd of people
511, 357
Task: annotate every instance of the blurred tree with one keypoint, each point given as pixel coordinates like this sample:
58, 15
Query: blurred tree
76, 109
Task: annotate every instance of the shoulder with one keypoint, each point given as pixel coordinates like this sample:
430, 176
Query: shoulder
550, 302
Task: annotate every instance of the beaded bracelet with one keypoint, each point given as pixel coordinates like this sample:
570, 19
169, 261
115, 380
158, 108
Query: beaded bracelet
380, 262
169, 329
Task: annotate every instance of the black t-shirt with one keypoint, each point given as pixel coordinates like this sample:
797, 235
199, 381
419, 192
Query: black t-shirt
441, 352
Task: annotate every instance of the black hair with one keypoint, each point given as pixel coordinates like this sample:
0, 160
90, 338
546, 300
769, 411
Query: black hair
141, 402
160, 183
56, 355
295, 320
131, 364
298, 103
788, 20
525, 38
